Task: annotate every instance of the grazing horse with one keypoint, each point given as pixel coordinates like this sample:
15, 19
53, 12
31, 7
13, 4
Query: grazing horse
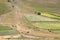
8, 0
39, 13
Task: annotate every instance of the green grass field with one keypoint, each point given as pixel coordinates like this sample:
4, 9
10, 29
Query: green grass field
51, 16
47, 25
4, 27
51, 12
6, 30
52, 26
43, 23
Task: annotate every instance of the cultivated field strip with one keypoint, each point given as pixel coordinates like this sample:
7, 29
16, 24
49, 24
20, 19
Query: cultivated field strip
38, 18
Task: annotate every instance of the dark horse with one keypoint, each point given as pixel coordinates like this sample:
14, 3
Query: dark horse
8, 0
39, 13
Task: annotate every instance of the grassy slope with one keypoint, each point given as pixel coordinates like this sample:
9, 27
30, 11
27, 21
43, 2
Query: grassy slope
6, 30
45, 7
48, 25
32, 17
51, 10
53, 26
51, 15
4, 6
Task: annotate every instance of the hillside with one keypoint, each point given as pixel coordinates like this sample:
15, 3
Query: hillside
24, 22
49, 6
4, 6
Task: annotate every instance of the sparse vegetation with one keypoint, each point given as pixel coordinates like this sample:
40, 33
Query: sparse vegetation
2, 27
6, 30
42, 38
4, 7
52, 26
49, 10
47, 25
